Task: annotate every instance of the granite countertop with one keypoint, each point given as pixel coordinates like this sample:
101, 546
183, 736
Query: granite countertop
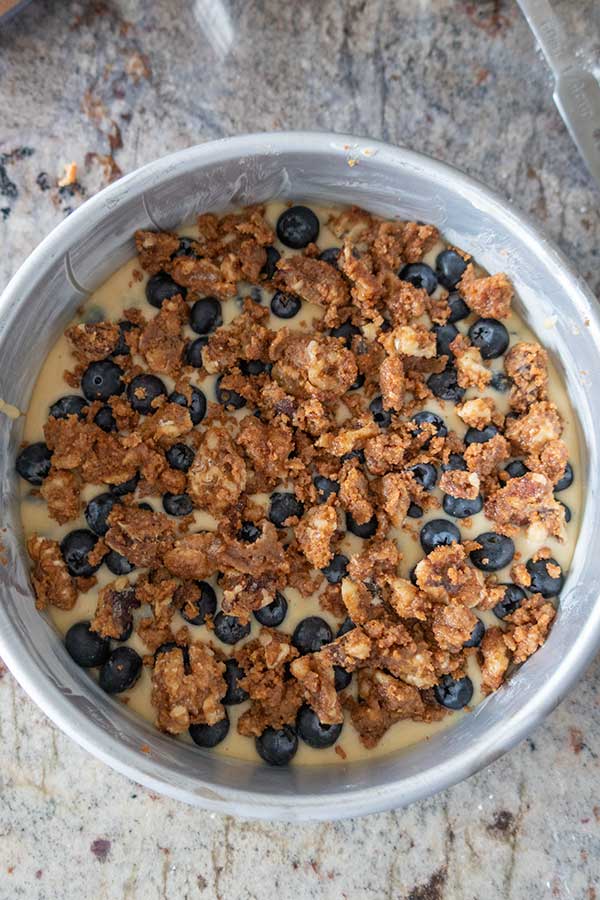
112, 85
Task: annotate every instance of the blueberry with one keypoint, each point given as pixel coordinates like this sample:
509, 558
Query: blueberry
453, 694
177, 504
313, 732
160, 287
413, 576
336, 568
542, 582
146, 506
253, 367
424, 474
126, 487
277, 746
297, 227
480, 435
458, 308
460, 507
122, 348
449, 267
210, 735
205, 605
193, 353
354, 454
270, 267
249, 532
383, 417
438, 533
331, 256
233, 673
414, 510
513, 597
567, 509
490, 336
283, 507
206, 315
366, 530
105, 419
341, 678
85, 646
274, 613
143, 390
98, 510
197, 407
121, 670
444, 335
229, 629
346, 331
425, 417
476, 635
285, 306
346, 626
227, 397
102, 380
75, 548
500, 382
71, 405
325, 487
33, 462
358, 383
118, 564
516, 469
180, 457
186, 248
566, 479
420, 275
496, 551
444, 385
456, 462
311, 634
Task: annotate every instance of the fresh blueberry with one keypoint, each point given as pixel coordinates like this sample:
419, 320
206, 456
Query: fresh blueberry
249, 532
420, 275
542, 582
313, 732
325, 487
341, 678
456, 462
354, 454
193, 353
229, 629
205, 605
177, 504
516, 469
413, 576
346, 332
227, 397
180, 457
490, 336
566, 479
346, 626
143, 390
567, 509
513, 597
105, 419
444, 385
336, 568
444, 335
383, 417
197, 407
453, 694
358, 383
297, 227
253, 367
285, 306
274, 613
85, 646
458, 308
71, 405
210, 735
460, 507
500, 382
273, 257
480, 435
414, 510
75, 548
283, 507
33, 462
438, 533
102, 380
122, 348
160, 288
98, 510
121, 670
126, 487
449, 267
117, 563
366, 530
424, 474
186, 248
277, 746
331, 256
425, 417
233, 673
311, 634
206, 315
476, 635
146, 506
496, 551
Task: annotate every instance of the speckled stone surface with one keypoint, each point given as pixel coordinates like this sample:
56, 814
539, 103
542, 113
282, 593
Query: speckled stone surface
113, 85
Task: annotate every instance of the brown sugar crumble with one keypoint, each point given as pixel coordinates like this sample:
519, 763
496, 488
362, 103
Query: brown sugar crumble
245, 465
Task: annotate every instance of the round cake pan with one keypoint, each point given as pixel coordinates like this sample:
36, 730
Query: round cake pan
93, 242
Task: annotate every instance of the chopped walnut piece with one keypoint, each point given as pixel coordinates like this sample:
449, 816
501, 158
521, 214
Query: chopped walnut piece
457, 483
470, 369
531, 432
169, 422
184, 699
52, 584
527, 500
477, 413
314, 533
312, 280
528, 627
155, 249
355, 496
367, 287
446, 576
361, 603
92, 341
526, 363
194, 556
61, 490
410, 340
379, 558
114, 609
489, 297
405, 657
452, 626
268, 447
395, 490
140, 535
382, 701
312, 366
217, 476
161, 342
407, 601
317, 678
348, 439
494, 659
203, 277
